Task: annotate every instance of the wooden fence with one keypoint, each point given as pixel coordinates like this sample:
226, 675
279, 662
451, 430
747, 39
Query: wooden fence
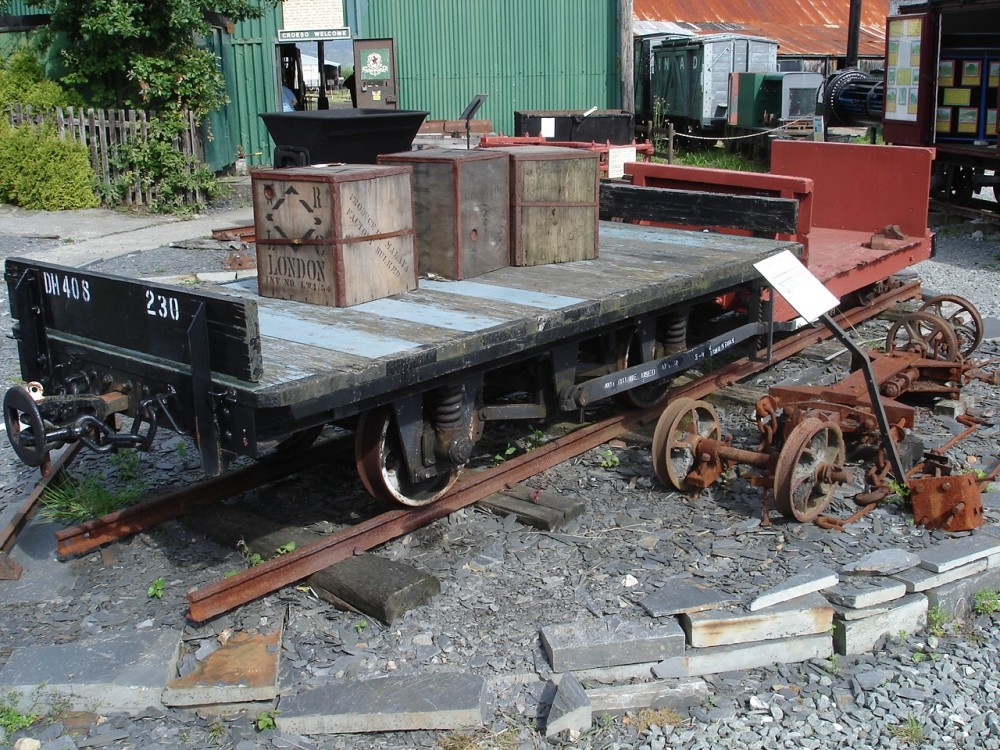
103, 131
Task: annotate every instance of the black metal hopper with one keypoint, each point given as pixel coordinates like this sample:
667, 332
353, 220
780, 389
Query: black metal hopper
354, 136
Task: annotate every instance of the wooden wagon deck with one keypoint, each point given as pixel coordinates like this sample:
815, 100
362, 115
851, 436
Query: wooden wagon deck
343, 355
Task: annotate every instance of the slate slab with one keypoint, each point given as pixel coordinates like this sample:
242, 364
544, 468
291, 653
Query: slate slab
443, 700
882, 562
921, 579
701, 661
956, 598
676, 694
43, 578
858, 592
954, 553
685, 595
570, 710
815, 579
805, 615
909, 615
121, 672
610, 643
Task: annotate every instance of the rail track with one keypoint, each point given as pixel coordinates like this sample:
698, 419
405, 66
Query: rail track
229, 593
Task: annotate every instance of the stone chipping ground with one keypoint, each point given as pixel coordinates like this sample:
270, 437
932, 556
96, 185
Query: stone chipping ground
502, 582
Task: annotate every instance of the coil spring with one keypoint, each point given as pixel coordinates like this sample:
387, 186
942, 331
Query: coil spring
448, 406
674, 333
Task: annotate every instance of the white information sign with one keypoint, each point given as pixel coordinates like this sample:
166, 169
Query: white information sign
793, 281
618, 156
299, 15
548, 127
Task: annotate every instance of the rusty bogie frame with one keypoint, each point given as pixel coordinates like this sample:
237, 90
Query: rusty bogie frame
807, 432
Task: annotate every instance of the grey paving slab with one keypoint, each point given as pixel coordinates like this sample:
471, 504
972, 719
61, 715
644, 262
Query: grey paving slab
44, 578
956, 598
882, 562
570, 710
858, 592
676, 694
908, 616
120, 672
701, 661
798, 585
610, 643
685, 595
957, 552
921, 579
442, 700
804, 615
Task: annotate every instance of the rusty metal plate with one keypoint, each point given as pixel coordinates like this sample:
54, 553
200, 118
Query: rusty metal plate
950, 503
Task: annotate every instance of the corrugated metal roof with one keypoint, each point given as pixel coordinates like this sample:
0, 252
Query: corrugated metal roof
801, 27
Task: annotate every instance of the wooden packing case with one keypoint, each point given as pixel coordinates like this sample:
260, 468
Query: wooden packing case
334, 235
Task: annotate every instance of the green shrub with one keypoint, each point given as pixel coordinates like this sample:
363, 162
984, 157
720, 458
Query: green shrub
40, 171
22, 81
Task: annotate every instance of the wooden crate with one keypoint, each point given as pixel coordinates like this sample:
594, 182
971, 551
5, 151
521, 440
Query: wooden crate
334, 235
553, 204
461, 210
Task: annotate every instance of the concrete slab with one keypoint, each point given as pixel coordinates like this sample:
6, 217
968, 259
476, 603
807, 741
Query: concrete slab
676, 694
44, 578
804, 583
685, 595
242, 670
802, 616
700, 661
954, 553
860, 636
921, 579
574, 646
443, 700
121, 672
570, 710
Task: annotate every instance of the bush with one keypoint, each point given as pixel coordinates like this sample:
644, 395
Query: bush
22, 81
40, 171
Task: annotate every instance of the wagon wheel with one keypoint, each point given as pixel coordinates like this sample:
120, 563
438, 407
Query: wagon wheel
650, 394
25, 425
803, 487
379, 458
962, 316
924, 334
681, 426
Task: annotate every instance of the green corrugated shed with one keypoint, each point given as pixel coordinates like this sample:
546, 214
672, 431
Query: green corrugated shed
525, 54
22, 8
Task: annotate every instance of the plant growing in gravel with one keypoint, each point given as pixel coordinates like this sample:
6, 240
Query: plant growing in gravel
911, 730
285, 548
155, 590
215, 733
986, 602
834, 666
480, 739
360, 626
11, 720
656, 717
75, 500
937, 618
265, 720
503, 455
609, 459
535, 439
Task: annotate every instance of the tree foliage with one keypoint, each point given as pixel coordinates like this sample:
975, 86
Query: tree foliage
141, 54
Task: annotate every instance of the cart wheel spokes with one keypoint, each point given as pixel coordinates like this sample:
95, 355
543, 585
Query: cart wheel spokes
681, 426
962, 316
382, 468
803, 475
924, 334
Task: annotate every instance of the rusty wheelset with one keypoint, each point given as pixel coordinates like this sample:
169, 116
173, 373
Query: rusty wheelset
807, 432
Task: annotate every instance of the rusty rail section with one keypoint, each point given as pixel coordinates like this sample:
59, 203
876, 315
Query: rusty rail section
222, 596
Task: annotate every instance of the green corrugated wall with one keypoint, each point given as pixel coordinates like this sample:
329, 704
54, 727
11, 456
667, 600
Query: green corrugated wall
526, 55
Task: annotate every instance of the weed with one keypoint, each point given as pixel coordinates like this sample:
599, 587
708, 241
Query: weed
155, 590
75, 500
911, 730
985, 602
11, 720
503, 455
266, 720
285, 548
656, 717
609, 459
126, 463
360, 626
919, 656
535, 439
215, 733
480, 739
834, 666
182, 451
937, 618
252, 558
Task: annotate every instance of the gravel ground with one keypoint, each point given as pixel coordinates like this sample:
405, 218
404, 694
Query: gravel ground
502, 582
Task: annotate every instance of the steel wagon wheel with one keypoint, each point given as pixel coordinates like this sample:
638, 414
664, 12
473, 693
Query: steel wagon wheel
925, 334
681, 426
803, 483
962, 316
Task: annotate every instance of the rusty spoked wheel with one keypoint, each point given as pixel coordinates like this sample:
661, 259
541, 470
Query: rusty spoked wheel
382, 468
962, 316
925, 334
803, 475
681, 426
